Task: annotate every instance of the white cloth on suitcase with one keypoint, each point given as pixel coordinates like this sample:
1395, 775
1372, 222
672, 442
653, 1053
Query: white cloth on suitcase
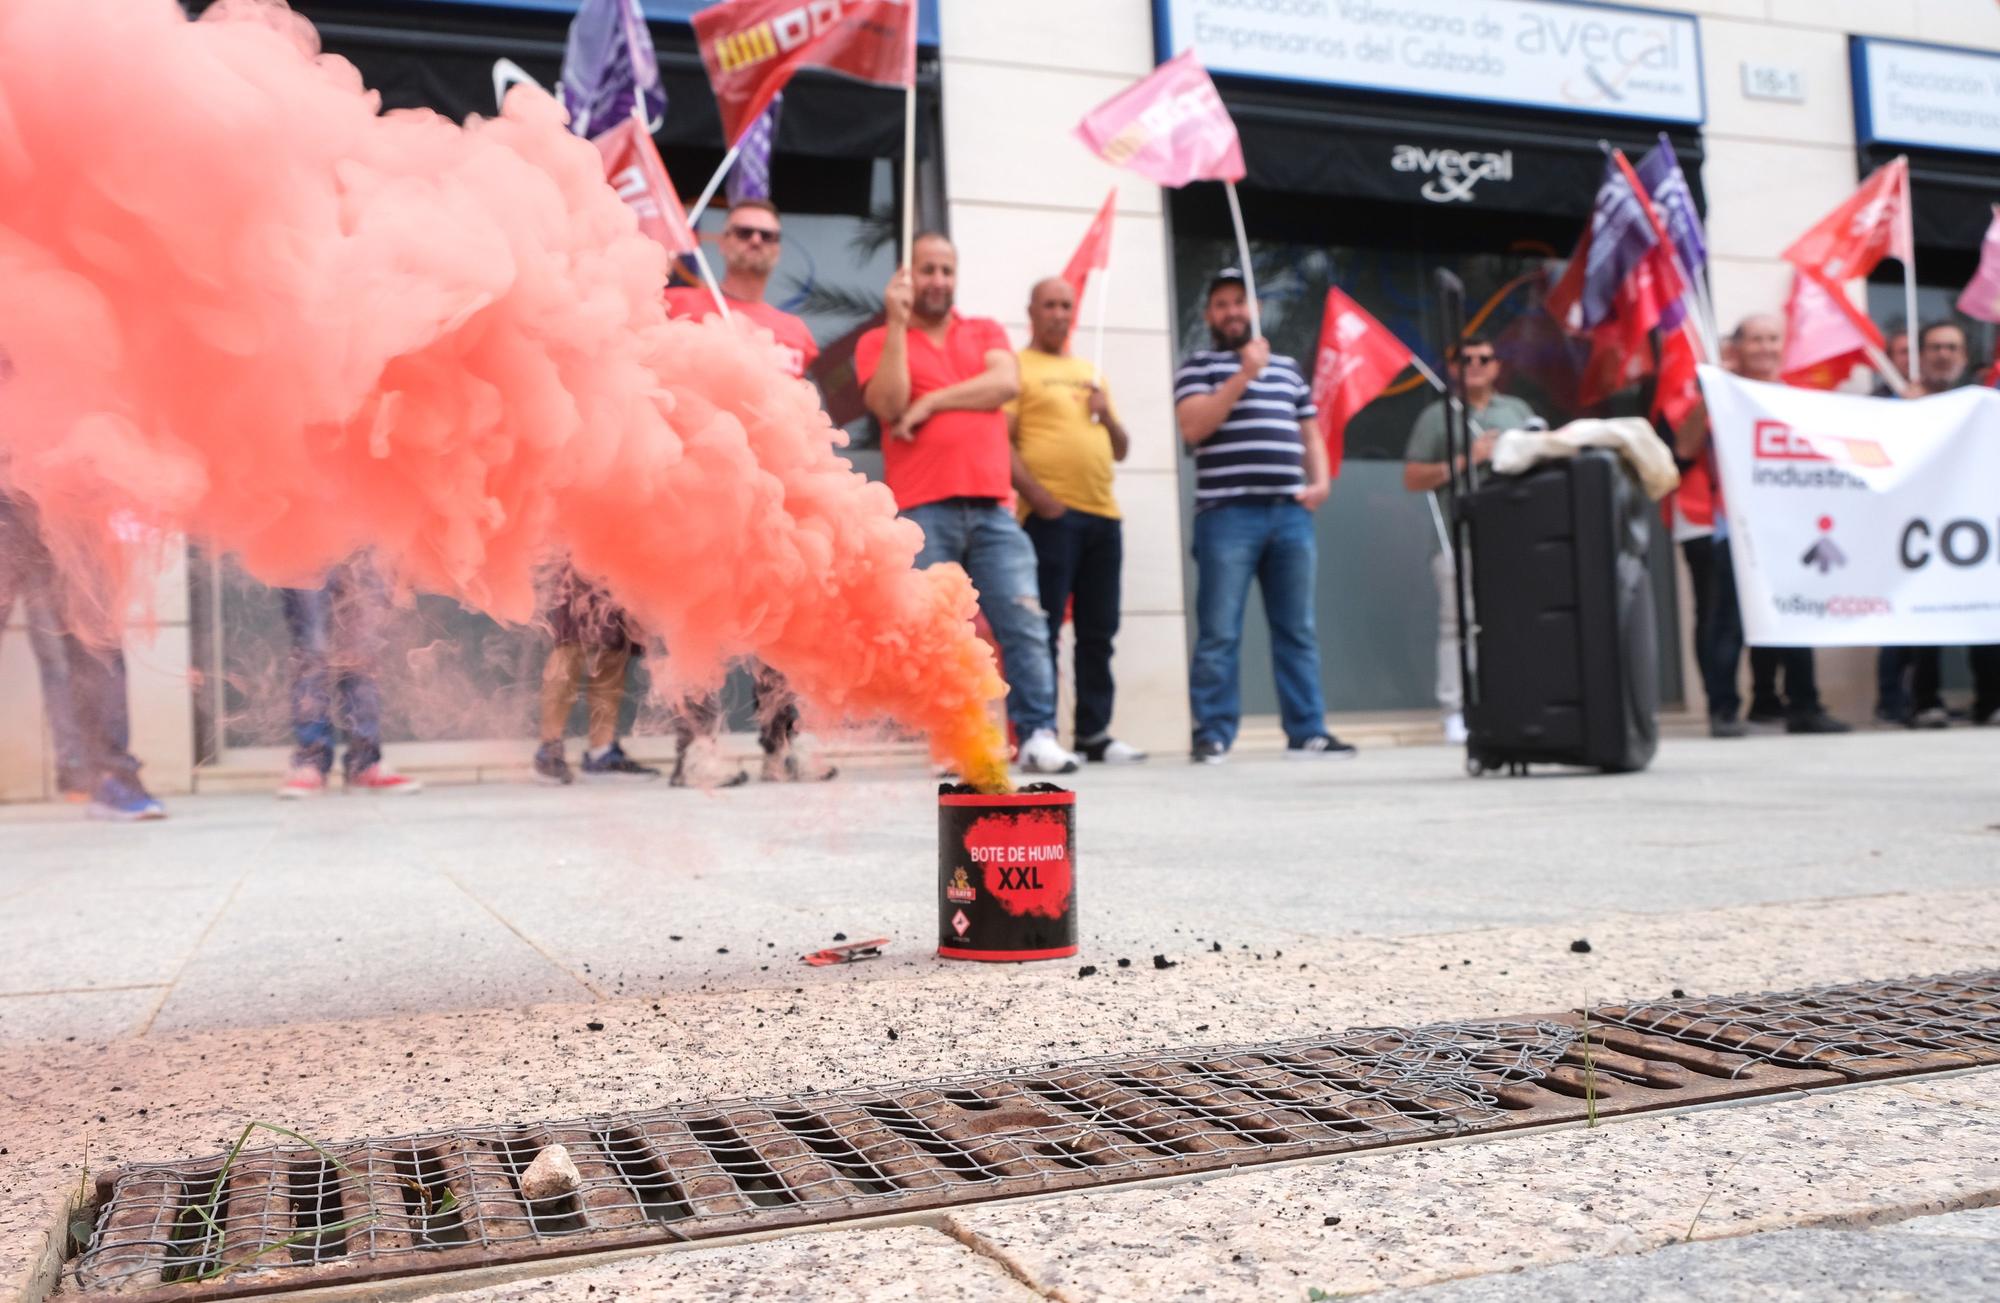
1631, 437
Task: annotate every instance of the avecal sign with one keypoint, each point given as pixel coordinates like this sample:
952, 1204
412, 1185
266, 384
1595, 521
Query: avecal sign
1545, 54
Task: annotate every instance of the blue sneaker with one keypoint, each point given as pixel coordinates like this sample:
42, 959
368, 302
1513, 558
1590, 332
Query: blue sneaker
120, 798
614, 763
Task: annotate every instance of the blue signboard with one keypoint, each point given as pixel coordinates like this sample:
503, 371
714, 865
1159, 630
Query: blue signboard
1929, 96
1571, 56
680, 11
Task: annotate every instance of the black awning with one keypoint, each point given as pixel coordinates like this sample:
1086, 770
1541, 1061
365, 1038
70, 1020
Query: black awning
1952, 195
1466, 158
416, 60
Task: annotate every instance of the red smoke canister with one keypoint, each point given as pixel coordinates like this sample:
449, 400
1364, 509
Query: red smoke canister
1007, 874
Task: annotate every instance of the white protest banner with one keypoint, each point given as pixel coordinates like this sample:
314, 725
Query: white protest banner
1860, 521
1568, 55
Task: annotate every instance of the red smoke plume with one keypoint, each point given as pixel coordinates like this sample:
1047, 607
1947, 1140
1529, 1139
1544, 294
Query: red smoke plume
239, 301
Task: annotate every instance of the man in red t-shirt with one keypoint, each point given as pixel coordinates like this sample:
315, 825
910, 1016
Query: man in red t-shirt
751, 239
752, 235
937, 381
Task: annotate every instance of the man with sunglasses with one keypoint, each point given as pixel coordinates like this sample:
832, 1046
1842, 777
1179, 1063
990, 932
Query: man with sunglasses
752, 238
1426, 471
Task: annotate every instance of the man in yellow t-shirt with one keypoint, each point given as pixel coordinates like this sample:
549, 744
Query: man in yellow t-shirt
1066, 438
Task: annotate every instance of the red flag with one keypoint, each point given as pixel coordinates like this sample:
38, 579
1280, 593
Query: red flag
1565, 298
1872, 225
1679, 388
1170, 128
1825, 336
751, 48
1094, 254
1621, 354
1358, 357
633, 167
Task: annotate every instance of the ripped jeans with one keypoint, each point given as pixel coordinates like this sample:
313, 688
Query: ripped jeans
981, 535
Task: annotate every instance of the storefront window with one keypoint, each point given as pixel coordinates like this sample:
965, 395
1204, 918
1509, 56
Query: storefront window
1377, 622
452, 675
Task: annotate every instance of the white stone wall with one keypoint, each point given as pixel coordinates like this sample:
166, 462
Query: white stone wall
161, 700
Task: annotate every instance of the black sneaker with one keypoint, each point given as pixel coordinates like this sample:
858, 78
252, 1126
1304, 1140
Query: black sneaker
1208, 751
1320, 746
551, 766
701, 764
614, 763
1719, 727
1766, 716
1818, 722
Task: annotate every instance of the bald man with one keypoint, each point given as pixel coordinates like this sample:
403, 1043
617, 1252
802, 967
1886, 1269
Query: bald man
1758, 348
1066, 437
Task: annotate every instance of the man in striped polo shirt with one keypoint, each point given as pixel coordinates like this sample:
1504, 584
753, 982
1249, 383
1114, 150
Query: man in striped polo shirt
1260, 473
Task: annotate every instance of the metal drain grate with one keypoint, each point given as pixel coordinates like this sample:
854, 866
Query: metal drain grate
288, 1217
1863, 1030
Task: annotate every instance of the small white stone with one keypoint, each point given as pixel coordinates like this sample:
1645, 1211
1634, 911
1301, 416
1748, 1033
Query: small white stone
553, 1173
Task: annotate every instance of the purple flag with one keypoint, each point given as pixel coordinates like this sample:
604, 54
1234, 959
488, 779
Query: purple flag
1661, 171
608, 66
1621, 235
750, 178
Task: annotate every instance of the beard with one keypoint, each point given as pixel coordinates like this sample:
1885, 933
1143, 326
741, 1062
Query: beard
1230, 338
933, 303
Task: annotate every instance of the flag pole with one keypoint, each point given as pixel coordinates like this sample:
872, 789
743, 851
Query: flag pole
1243, 252
715, 182
910, 151
1909, 221
1103, 298
700, 259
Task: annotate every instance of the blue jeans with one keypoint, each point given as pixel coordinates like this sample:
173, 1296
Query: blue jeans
1272, 542
336, 639
83, 687
1725, 648
1080, 556
982, 536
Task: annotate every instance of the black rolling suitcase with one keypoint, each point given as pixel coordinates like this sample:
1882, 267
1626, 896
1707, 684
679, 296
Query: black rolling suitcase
1560, 653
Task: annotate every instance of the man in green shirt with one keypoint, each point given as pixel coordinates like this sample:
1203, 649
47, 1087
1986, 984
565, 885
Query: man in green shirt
1425, 471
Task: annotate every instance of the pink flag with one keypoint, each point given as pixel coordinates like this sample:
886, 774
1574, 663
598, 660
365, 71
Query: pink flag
1825, 337
1170, 128
1981, 299
633, 167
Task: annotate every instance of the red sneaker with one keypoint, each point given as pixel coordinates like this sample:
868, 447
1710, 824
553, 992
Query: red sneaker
380, 778
302, 782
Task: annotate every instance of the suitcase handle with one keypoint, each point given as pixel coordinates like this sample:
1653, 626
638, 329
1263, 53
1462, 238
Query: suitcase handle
1457, 438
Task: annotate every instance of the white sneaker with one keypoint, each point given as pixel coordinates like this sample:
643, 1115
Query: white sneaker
1455, 731
1042, 754
1113, 752
702, 764
799, 762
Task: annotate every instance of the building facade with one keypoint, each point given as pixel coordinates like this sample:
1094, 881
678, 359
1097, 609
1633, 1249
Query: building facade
1384, 139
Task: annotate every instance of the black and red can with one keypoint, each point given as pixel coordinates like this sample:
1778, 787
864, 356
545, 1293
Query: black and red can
1007, 874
